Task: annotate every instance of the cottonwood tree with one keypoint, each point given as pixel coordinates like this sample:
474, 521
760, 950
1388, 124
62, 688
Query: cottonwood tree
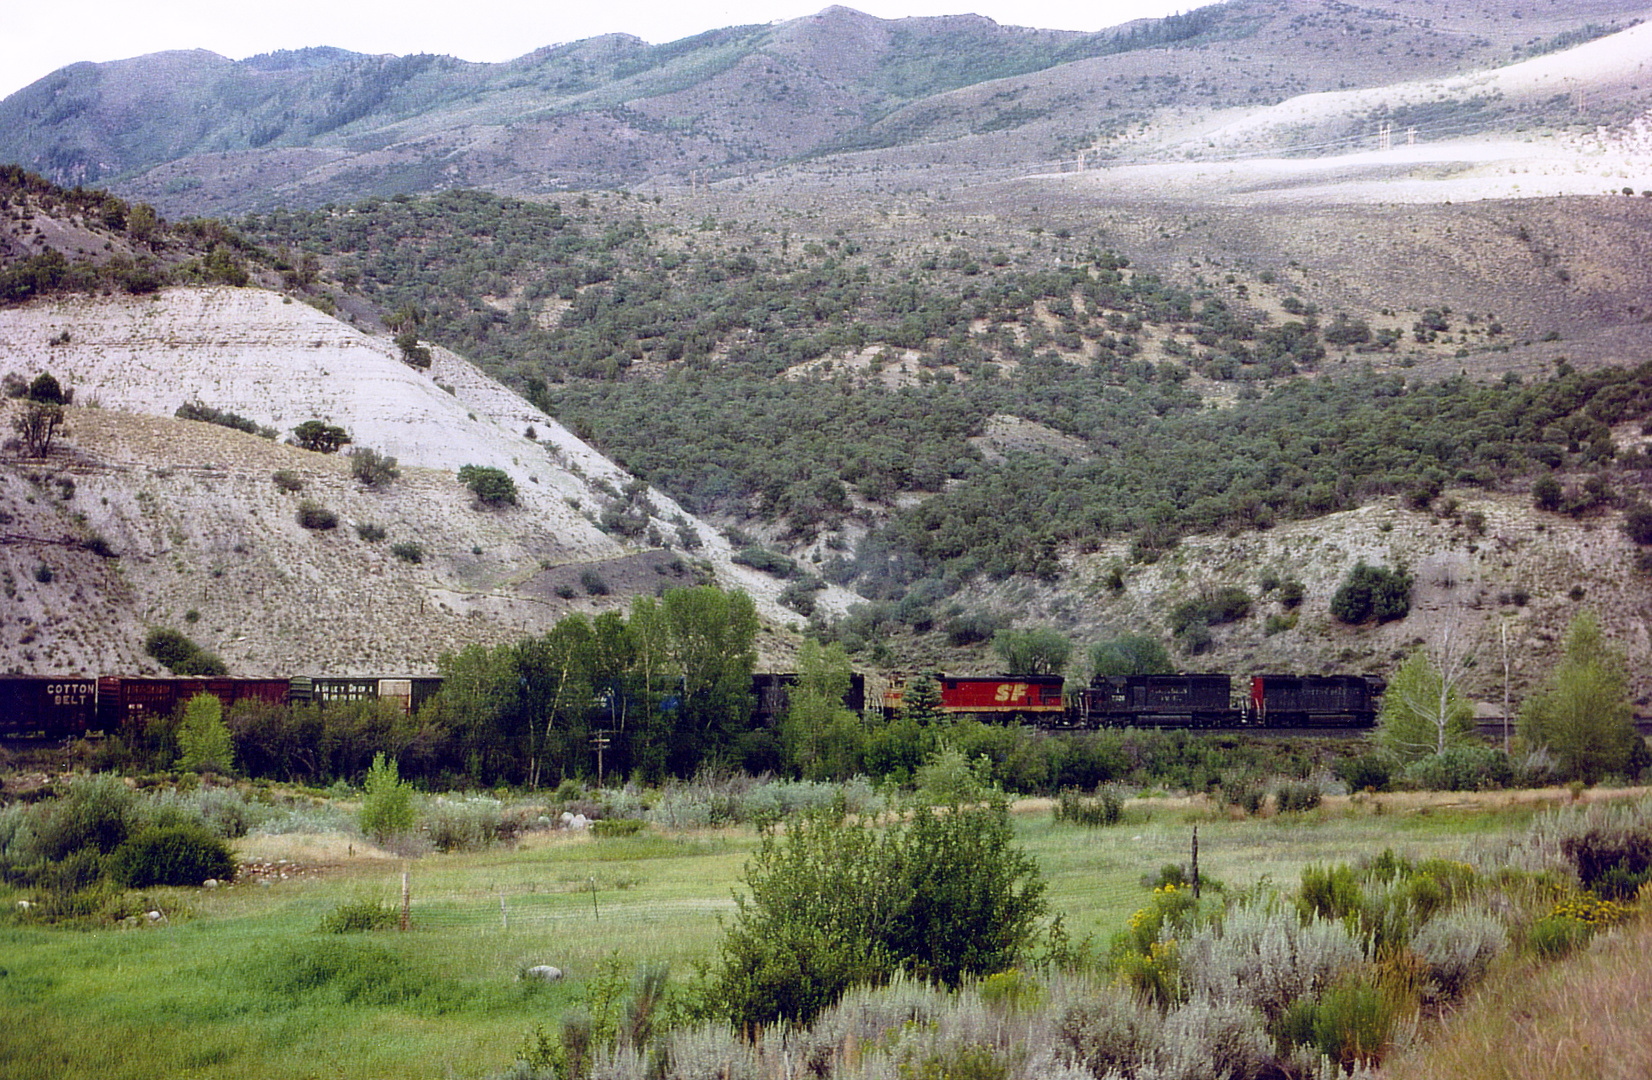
555, 693
1584, 712
203, 739
1423, 710
1131, 654
825, 739
1040, 651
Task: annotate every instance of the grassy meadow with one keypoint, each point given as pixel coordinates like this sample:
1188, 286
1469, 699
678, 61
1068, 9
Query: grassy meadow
239, 982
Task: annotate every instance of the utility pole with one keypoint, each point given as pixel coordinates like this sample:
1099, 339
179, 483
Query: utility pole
1504, 627
600, 741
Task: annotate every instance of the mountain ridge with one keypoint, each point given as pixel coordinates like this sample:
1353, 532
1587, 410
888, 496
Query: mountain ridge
197, 133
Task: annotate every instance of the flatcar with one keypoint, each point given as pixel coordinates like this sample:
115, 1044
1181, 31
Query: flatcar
56, 706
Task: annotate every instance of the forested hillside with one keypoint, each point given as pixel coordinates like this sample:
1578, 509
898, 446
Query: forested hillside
914, 414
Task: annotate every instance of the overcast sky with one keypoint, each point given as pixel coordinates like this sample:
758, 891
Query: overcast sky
37, 38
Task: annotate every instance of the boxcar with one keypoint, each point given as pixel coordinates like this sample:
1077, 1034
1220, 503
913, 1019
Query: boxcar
771, 695
123, 699
409, 693
1159, 701
57, 706
1314, 700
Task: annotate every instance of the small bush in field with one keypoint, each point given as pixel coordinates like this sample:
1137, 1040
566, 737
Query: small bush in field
387, 802
356, 916
370, 532
1354, 1020
1366, 772
1553, 936
1104, 808
408, 551
287, 480
1298, 797
185, 854
609, 827
1456, 949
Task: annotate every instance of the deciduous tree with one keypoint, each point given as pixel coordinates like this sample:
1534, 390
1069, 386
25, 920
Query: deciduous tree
1584, 712
1423, 710
1039, 651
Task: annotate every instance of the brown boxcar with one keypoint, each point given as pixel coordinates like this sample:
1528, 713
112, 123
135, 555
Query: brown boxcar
56, 706
123, 699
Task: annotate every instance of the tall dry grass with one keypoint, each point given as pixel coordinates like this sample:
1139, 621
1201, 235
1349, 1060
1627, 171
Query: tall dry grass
1588, 1018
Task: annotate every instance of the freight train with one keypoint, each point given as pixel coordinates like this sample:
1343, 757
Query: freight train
66, 707
1173, 701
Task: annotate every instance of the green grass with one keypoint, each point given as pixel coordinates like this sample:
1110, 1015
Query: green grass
244, 985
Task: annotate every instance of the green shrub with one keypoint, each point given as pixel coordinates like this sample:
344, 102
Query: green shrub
181, 656
356, 916
319, 436
770, 562
1297, 797
1366, 772
593, 583
1372, 592
1104, 808
1547, 493
371, 533
835, 902
408, 551
287, 480
612, 827
1329, 892
94, 813
1354, 1020
1245, 793
1554, 936
1462, 768
184, 854
203, 740
312, 515
387, 802
372, 468
491, 486
196, 410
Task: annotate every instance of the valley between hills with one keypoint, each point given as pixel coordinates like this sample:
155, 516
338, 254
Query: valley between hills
904, 383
